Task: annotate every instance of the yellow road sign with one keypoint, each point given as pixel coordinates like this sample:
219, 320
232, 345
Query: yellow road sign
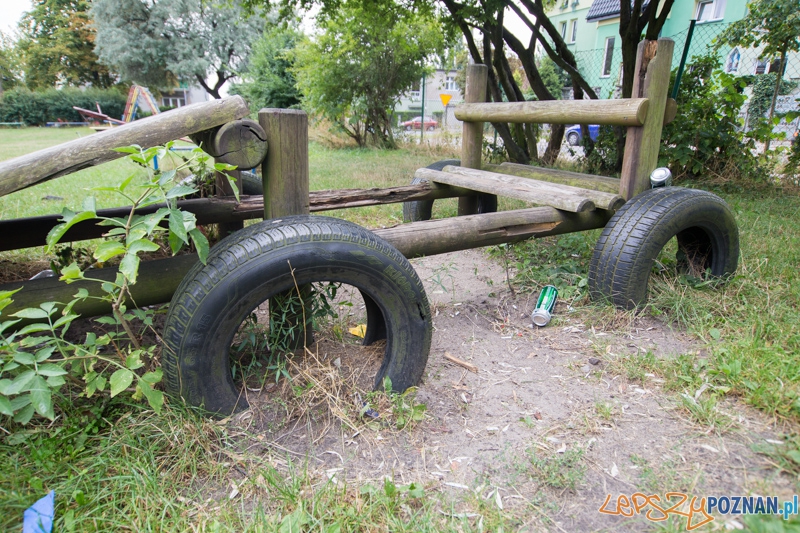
445, 98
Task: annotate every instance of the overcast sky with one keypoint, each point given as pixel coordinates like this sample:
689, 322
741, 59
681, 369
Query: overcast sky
10, 13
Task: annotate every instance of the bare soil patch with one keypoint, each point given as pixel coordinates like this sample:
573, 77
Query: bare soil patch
546, 429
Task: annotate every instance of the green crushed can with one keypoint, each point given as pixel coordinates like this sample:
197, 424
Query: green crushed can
545, 305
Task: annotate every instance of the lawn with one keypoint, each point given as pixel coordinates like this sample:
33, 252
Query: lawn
116, 466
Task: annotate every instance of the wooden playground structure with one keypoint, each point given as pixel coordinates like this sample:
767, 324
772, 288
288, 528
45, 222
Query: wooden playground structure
567, 202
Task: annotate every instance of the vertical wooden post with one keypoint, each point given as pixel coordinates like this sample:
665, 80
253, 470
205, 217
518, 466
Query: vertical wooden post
225, 188
472, 132
651, 81
285, 169
285, 177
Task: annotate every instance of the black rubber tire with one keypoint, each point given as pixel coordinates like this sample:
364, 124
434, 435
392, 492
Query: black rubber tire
423, 210
251, 183
252, 265
623, 258
573, 139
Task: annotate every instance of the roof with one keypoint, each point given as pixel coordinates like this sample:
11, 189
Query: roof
604, 9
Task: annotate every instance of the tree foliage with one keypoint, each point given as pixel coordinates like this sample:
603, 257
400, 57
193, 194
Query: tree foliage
57, 46
10, 66
161, 43
364, 59
269, 79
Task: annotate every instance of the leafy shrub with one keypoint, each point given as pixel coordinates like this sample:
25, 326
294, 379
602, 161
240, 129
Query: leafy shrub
40, 107
706, 139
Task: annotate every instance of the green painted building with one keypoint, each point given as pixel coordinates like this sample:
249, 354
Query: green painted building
591, 30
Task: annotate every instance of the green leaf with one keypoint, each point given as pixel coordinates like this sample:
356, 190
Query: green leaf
176, 225
120, 380
166, 177
179, 191
134, 362
154, 397
42, 397
55, 381
130, 267
34, 328
20, 383
71, 273
108, 249
44, 354
50, 369
132, 149
57, 232
24, 415
153, 377
24, 358
110, 321
5, 407
175, 243
200, 243
714, 333
142, 245
31, 313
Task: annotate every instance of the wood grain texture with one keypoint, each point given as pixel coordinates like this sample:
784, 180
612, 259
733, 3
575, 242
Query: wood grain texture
626, 112
472, 132
66, 158
651, 81
285, 169
537, 192
575, 179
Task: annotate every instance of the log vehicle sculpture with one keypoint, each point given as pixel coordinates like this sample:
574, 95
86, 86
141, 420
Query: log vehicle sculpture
291, 249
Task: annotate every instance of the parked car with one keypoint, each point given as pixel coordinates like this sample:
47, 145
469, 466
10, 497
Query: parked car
574, 135
416, 123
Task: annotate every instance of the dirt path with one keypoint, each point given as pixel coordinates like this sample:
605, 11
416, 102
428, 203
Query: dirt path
551, 423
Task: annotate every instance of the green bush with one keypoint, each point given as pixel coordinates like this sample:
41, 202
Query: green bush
37, 108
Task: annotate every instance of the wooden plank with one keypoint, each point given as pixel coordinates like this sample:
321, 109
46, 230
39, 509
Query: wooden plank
626, 112
651, 80
538, 192
575, 179
285, 169
601, 200
472, 132
32, 231
37, 167
416, 239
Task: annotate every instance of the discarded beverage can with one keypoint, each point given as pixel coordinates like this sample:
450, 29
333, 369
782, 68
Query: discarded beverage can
660, 177
545, 305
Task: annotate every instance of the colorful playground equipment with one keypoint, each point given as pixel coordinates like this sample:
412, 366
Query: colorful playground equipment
138, 98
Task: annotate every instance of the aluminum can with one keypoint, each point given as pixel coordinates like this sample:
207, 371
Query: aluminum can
545, 305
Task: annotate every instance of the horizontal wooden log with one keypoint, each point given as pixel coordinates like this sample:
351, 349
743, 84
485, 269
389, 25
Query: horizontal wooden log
159, 279
537, 192
601, 200
66, 158
28, 232
574, 179
623, 112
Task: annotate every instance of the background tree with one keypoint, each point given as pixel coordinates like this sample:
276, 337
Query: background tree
57, 44
366, 56
773, 24
269, 78
10, 67
161, 43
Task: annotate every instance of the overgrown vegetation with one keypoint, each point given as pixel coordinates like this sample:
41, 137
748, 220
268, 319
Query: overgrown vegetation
54, 105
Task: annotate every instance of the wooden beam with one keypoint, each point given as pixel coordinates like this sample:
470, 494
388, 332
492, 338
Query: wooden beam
575, 179
285, 169
651, 81
537, 192
27, 232
66, 158
624, 112
472, 132
158, 279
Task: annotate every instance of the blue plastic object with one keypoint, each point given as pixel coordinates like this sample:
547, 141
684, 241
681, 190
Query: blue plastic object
594, 130
38, 518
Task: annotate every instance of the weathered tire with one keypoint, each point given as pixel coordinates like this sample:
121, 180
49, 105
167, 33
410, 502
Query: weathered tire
422, 210
706, 231
256, 263
251, 183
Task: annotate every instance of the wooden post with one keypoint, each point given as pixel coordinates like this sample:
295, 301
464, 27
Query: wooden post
285, 170
285, 177
651, 81
472, 132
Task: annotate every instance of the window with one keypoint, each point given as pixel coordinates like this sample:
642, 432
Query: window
710, 10
573, 35
761, 65
733, 61
609, 56
173, 101
414, 93
450, 84
564, 30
